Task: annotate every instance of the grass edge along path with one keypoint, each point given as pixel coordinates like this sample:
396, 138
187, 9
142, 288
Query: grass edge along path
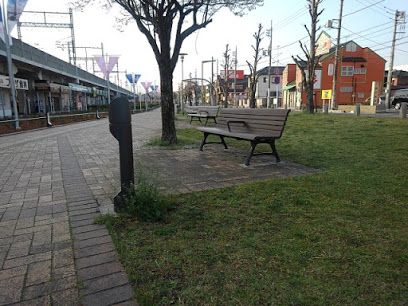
337, 237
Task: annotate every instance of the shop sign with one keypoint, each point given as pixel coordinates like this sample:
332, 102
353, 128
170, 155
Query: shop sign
21, 84
80, 88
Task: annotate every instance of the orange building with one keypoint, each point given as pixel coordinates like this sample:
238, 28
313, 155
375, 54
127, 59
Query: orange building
358, 69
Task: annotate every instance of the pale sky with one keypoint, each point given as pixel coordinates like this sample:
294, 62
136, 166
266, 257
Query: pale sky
370, 27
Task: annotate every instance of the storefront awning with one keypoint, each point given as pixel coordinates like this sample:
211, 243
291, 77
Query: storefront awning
289, 87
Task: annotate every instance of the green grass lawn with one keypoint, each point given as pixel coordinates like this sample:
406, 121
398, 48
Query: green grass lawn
339, 237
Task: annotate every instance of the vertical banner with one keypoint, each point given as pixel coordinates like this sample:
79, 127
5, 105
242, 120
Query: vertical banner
106, 68
100, 61
133, 78
14, 10
2, 29
146, 86
129, 78
112, 61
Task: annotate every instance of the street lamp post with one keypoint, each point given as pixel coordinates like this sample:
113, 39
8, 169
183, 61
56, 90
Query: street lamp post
182, 55
202, 78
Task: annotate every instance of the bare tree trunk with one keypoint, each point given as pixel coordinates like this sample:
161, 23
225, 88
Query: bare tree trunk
252, 92
166, 101
253, 79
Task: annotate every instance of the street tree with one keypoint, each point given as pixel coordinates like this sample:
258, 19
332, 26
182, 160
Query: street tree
166, 24
308, 64
253, 67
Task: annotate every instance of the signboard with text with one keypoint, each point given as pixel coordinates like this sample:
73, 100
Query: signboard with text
326, 94
239, 74
21, 84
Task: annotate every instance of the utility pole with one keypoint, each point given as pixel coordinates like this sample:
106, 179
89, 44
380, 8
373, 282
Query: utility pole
226, 72
212, 82
235, 74
71, 19
10, 66
269, 33
202, 82
399, 18
106, 77
336, 58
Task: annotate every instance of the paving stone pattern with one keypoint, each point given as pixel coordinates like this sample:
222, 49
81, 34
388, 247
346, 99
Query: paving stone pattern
54, 182
184, 171
103, 279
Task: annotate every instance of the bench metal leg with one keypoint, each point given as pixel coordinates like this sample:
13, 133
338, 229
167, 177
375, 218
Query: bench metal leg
251, 152
204, 141
223, 142
274, 151
191, 119
206, 120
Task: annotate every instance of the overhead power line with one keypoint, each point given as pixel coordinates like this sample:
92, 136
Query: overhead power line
363, 8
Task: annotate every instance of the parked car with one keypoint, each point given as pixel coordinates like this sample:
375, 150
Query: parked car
399, 96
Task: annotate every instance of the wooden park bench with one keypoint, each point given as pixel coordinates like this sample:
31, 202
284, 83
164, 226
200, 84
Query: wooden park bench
253, 125
203, 112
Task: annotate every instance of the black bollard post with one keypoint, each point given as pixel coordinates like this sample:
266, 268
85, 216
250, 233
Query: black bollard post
121, 128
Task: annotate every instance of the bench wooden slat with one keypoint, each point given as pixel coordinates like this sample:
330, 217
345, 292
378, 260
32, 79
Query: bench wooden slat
254, 125
254, 117
252, 129
255, 111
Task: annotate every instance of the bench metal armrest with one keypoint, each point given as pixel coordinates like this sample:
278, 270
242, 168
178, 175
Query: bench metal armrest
235, 121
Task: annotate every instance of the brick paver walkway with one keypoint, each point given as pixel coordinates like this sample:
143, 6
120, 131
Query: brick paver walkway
54, 182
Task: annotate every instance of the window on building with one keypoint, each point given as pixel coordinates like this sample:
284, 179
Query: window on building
360, 95
264, 79
347, 70
361, 70
351, 47
346, 89
330, 69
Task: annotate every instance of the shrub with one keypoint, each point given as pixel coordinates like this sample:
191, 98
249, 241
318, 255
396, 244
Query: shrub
144, 202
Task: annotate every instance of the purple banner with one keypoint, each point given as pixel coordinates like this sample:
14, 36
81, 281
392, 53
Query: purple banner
146, 86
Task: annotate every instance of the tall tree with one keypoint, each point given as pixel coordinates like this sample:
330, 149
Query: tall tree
309, 64
166, 24
253, 67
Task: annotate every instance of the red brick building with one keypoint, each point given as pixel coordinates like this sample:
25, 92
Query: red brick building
358, 68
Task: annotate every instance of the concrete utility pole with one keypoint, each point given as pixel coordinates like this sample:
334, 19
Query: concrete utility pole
235, 74
336, 58
269, 33
10, 66
106, 77
226, 72
212, 82
399, 17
